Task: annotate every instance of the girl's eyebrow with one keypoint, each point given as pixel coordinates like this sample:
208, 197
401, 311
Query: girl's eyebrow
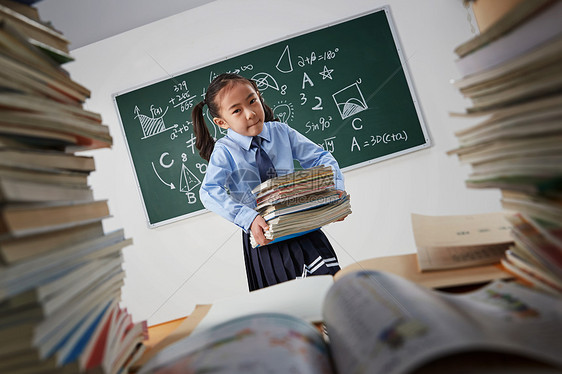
237, 104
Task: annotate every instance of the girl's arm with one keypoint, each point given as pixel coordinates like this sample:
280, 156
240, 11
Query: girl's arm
215, 197
309, 154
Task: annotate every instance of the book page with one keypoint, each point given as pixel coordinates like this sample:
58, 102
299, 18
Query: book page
258, 343
381, 323
514, 318
301, 298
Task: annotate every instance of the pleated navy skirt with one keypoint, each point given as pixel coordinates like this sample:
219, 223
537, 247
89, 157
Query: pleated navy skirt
302, 256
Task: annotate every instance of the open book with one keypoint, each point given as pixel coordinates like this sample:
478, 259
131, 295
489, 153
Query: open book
378, 322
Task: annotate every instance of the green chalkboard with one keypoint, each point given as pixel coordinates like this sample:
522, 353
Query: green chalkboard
345, 86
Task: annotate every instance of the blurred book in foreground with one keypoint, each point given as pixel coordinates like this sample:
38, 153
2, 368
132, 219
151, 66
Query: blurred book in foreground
536, 255
512, 74
501, 327
60, 273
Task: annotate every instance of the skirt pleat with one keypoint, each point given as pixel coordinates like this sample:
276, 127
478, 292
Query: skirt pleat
306, 255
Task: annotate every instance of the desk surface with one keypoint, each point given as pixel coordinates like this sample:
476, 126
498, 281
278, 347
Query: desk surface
406, 266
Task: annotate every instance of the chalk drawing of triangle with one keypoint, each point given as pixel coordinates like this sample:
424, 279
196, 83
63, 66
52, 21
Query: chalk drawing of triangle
284, 65
188, 180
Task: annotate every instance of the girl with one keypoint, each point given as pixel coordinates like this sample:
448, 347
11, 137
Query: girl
253, 136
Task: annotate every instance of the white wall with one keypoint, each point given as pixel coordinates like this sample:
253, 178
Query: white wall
199, 259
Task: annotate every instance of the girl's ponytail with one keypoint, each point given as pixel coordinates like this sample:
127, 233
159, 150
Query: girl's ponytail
204, 141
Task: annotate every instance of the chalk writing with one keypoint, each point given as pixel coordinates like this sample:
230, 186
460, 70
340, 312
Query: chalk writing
355, 125
180, 86
190, 143
238, 70
321, 125
179, 129
182, 98
328, 144
153, 125
373, 140
350, 100
284, 111
314, 57
306, 79
191, 199
265, 81
171, 185
202, 167
318, 100
188, 180
318, 106
167, 166
326, 73
285, 65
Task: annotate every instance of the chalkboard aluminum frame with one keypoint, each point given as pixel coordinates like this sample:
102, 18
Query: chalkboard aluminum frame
385, 8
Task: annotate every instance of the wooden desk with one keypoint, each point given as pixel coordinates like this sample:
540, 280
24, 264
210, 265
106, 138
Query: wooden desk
406, 266
166, 333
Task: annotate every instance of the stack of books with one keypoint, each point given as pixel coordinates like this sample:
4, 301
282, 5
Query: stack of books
38, 32
512, 73
299, 202
60, 273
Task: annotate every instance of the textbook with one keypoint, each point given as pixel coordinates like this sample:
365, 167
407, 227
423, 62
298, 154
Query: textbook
377, 322
42, 160
540, 207
449, 242
536, 255
35, 29
13, 190
15, 249
293, 186
302, 203
538, 23
291, 179
299, 202
19, 220
510, 21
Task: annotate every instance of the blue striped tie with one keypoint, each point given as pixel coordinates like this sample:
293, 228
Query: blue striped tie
265, 166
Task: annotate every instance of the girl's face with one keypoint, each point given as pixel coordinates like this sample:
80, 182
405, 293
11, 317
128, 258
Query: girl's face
240, 109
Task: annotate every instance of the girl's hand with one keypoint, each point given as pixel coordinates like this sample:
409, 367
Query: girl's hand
257, 228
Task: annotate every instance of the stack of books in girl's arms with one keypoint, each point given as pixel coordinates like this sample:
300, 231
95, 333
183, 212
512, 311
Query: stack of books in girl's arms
300, 202
512, 73
60, 273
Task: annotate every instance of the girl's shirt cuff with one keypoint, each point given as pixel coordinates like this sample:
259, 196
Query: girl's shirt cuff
245, 217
